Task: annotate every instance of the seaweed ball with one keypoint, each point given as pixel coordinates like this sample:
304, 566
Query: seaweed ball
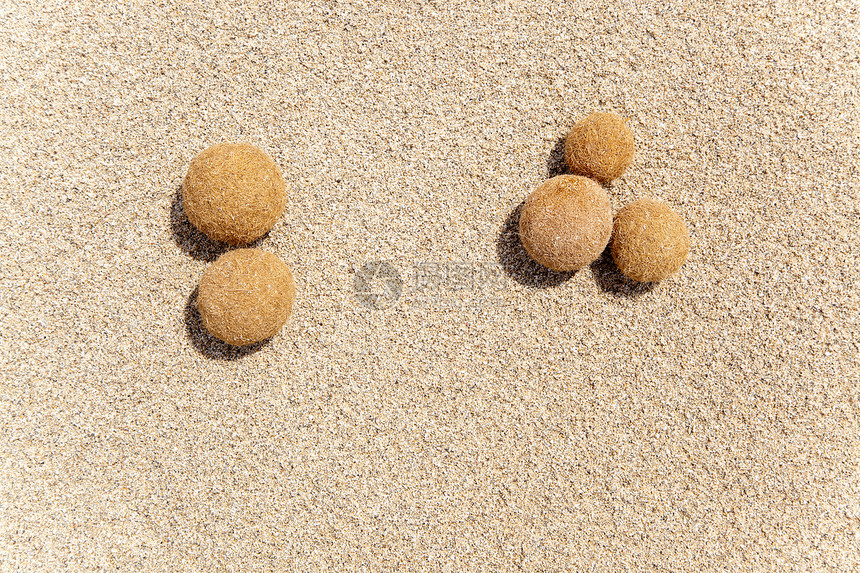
599, 146
246, 296
650, 241
566, 222
234, 193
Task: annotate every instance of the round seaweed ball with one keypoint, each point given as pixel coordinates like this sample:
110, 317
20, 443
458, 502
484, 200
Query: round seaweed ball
650, 241
234, 193
566, 222
599, 146
246, 296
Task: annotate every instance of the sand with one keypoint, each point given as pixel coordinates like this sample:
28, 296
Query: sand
476, 413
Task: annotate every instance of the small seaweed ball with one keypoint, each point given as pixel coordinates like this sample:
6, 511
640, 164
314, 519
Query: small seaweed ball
566, 222
650, 241
246, 296
599, 146
234, 193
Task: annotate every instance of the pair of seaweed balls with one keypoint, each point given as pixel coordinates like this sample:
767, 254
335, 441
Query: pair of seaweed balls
566, 222
234, 193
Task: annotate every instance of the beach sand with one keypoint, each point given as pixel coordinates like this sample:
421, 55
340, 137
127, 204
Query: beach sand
437, 402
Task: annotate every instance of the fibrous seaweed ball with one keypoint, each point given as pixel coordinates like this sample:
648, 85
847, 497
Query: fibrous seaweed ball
246, 296
234, 193
566, 222
650, 241
599, 146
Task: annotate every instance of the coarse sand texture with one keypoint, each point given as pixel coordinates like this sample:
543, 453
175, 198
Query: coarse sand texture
566, 222
650, 241
246, 296
234, 193
599, 146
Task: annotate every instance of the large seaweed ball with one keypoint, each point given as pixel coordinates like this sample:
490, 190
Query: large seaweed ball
650, 241
246, 296
599, 146
234, 193
566, 222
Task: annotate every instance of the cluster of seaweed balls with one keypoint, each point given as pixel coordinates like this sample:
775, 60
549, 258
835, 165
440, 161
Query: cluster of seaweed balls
234, 193
566, 223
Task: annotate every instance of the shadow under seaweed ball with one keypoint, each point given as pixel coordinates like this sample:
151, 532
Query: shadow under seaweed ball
599, 146
566, 222
246, 296
650, 241
234, 193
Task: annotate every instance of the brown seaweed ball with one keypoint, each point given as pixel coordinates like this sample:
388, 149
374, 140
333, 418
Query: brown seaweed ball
234, 193
599, 146
650, 241
566, 222
246, 296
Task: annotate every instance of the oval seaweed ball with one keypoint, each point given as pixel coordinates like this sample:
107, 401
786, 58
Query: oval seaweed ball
246, 296
234, 193
566, 222
650, 241
599, 146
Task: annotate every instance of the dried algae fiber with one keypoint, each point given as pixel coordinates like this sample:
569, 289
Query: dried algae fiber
246, 296
234, 193
650, 241
599, 146
566, 222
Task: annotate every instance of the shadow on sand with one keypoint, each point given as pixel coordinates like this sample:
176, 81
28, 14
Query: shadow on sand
610, 280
